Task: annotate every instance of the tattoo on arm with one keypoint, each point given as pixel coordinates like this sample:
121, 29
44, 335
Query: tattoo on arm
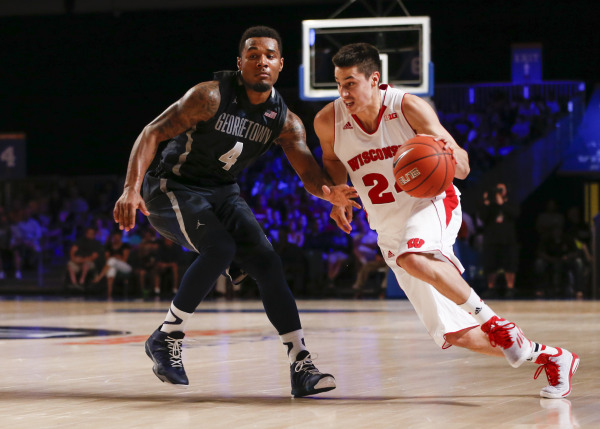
199, 104
293, 134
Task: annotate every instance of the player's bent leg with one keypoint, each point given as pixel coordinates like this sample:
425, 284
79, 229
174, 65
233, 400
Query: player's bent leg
255, 255
444, 277
448, 281
280, 306
473, 339
508, 337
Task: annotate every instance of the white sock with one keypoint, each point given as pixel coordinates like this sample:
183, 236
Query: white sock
477, 308
538, 349
295, 343
175, 320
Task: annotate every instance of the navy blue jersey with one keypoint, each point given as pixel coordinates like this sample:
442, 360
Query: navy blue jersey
214, 152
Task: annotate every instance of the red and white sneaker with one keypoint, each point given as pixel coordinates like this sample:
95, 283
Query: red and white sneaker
559, 370
509, 338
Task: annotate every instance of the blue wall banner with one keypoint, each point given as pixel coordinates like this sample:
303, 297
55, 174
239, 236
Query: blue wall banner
526, 63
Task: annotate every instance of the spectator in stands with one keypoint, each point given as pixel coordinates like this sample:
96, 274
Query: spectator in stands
4, 241
377, 263
117, 256
339, 255
67, 220
558, 266
76, 200
144, 258
83, 257
366, 252
500, 247
548, 221
364, 239
577, 228
102, 228
295, 264
261, 209
521, 130
25, 242
294, 234
51, 230
168, 258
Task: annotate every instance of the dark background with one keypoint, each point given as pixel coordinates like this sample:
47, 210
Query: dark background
83, 85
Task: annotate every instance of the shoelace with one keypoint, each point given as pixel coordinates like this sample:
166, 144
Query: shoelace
500, 335
306, 365
175, 352
551, 368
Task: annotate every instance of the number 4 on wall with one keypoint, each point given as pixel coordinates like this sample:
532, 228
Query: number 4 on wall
12, 156
8, 157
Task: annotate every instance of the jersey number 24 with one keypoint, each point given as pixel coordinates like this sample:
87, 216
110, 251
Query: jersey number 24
378, 194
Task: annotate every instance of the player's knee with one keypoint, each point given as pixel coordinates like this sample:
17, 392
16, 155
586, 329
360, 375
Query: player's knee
412, 262
225, 248
222, 245
265, 262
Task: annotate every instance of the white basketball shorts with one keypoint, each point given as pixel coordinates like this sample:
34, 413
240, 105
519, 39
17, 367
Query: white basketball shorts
431, 228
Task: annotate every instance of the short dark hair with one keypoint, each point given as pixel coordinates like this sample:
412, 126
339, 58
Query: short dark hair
260, 31
363, 55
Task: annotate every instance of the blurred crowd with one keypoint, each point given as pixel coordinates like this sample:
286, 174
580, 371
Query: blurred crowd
490, 133
68, 221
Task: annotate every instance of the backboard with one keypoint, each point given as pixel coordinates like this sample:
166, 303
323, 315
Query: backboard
404, 44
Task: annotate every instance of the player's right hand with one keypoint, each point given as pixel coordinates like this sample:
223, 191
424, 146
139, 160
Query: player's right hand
342, 217
126, 207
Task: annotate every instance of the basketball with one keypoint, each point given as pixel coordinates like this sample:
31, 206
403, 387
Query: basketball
423, 168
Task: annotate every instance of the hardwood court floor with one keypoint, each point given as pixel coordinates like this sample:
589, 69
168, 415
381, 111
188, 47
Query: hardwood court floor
389, 372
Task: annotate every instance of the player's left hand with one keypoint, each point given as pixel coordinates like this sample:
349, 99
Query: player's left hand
341, 195
342, 217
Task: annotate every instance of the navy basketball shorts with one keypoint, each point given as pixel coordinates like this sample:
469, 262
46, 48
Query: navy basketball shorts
192, 215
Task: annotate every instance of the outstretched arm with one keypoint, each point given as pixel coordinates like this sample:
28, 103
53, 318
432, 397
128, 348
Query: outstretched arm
423, 119
316, 181
199, 104
324, 127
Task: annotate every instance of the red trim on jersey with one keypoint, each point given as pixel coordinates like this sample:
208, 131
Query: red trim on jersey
333, 126
403, 114
379, 116
450, 202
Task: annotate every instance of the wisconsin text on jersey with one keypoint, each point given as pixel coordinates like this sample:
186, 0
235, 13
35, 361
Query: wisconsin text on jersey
242, 127
372, 155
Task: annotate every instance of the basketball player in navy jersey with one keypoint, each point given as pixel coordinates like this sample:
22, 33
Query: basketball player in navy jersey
217, 129
360, 132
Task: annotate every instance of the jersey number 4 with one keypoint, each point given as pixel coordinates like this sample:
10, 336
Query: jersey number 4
378, 194
231, 157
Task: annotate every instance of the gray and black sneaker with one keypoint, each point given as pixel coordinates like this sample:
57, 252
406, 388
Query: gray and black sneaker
307, 379
165, 351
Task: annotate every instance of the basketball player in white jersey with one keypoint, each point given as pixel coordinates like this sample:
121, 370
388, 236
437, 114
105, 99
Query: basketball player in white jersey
360, 132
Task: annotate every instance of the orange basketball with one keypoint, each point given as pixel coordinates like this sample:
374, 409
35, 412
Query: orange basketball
422, 167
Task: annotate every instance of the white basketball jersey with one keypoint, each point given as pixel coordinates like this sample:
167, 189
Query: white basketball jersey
368, 158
